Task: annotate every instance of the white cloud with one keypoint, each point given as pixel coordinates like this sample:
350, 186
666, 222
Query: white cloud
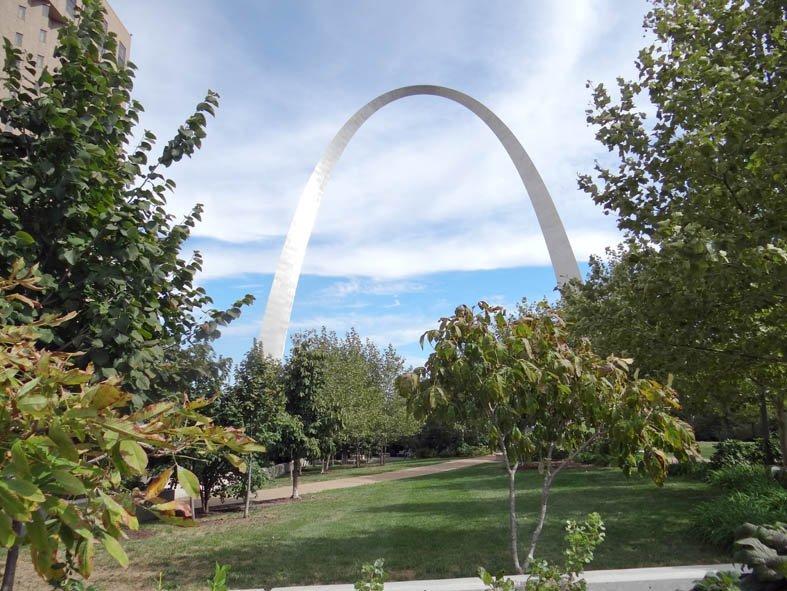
424, 187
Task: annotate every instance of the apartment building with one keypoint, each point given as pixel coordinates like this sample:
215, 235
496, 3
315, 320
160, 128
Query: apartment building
32, 26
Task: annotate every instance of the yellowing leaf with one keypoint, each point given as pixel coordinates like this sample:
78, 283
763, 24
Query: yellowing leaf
26, 490
158, 484
7, 535
115, 550
133, 455
104, 395
189, 482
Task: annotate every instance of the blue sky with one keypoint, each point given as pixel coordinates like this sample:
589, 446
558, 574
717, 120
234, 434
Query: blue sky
424, 211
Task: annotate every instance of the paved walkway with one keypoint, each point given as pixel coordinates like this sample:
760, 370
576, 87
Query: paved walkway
307, 488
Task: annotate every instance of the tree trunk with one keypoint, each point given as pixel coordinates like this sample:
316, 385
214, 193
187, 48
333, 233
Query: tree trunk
545, 489
296, 478
357, 455
781, 413
204, 498
247, 492
11, 558
765, 428
512, 521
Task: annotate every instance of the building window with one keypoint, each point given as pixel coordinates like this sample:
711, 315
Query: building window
40, 62
45, 10
71, 7
18, 38
42, 35
21, 12
121, 54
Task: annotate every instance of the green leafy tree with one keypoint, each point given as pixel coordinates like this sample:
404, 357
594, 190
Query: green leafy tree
304, 377
92, 212
256, 402
64, 436
697, 183
535, 393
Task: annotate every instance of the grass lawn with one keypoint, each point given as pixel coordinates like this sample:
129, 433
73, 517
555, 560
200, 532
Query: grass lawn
312, 473
436, 526
707, 448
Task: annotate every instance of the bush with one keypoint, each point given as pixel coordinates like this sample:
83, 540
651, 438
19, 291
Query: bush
733, 452
724, 581
751, 496
465, 450
741, 478
697, 470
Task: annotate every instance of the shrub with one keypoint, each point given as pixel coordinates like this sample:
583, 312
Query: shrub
751, 496
690, 469
740, 478
733, 452
724, 581
372, 577
465, 450
581, 540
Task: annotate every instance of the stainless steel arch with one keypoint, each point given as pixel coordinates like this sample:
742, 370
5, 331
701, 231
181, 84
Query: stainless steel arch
282, 295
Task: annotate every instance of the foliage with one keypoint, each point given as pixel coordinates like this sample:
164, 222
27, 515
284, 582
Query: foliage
697, 182
732, 452
581, 541
357, 404
65, 436
372, 577
522, 381
91, 212
722, 581
219, 581
495, 582
750, 495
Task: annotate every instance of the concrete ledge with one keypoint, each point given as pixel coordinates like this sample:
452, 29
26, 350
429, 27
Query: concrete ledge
668, 578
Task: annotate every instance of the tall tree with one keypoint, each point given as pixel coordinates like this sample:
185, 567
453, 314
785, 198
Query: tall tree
304, 377
535, 393
698, 183
92, 212
256, 402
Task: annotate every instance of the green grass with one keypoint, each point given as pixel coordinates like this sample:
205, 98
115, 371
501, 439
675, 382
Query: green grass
707, 448
436, 526
312, 474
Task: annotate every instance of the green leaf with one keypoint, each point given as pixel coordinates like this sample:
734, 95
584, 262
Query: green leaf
32, 403
24, 238
68, 482
189, 482
133, 455
26, 490
115, 550
7, 535
63, 442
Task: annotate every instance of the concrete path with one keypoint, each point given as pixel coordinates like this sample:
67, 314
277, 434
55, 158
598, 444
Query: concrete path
307, 488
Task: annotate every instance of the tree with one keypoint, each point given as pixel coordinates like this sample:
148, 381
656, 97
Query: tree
535, 393
304, 377
697, 183
256, 402
64, 435
91, 211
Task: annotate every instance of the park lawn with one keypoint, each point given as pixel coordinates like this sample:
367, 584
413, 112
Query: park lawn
437, 526
707, 448
312, 473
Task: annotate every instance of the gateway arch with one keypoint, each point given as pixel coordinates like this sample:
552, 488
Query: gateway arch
285, 282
